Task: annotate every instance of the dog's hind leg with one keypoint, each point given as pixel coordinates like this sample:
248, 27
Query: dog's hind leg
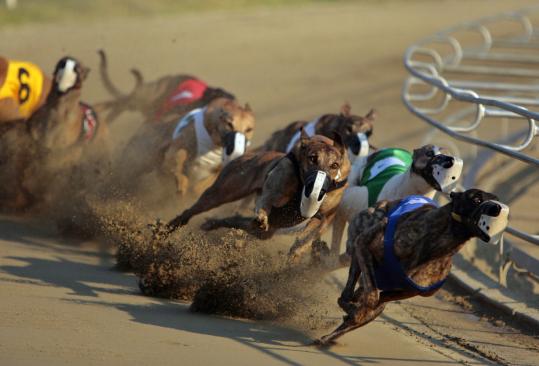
339, 224
228, 187
354, 200
247, 224
303, 243
233, 222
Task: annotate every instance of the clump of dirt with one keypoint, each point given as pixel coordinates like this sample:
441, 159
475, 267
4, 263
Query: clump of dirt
260, 284
224, 272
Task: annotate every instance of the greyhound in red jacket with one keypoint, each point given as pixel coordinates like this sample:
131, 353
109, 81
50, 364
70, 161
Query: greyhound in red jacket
160, 100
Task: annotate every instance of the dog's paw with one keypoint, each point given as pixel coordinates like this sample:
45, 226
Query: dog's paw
319, 249
177, 222
293, 258
210, 224
262, 221
324, 342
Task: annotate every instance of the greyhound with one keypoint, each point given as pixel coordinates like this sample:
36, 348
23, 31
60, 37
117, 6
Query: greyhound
403, 248
296, 192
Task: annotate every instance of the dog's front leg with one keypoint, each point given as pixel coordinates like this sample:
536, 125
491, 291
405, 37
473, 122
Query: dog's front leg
228, 187
273, 195
174, 161
262, 212
279, 187
347, 294
369, 306
362, 317
302, 243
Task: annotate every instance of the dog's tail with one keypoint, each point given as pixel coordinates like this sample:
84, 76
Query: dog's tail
109, 85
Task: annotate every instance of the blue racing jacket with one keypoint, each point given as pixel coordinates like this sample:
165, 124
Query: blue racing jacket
389, 274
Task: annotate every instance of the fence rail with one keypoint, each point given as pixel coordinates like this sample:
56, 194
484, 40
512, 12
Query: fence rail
444, 68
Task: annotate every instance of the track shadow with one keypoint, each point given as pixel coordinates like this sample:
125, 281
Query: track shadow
38, 235
269, 339
266, 339
73, 275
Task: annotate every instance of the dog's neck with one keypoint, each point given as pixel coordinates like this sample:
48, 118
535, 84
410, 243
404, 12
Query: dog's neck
443, 237
412, 183
406, 184
60, 119
211, 121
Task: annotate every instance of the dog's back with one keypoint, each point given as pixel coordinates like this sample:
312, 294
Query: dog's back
279, 140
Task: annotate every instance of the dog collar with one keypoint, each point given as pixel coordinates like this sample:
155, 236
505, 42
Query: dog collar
456, 217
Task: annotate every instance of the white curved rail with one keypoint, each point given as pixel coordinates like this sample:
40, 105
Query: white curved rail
477, 77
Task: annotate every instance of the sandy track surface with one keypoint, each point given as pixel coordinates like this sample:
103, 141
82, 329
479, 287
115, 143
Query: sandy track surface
63, 304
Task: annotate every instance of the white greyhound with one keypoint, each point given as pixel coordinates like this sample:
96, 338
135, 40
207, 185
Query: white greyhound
392, 174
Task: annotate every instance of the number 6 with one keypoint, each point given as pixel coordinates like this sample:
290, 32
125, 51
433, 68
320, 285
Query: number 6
24, 90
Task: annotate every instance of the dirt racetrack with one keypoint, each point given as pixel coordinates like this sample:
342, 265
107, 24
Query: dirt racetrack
62, 301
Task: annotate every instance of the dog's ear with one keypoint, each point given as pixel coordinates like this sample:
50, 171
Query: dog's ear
372, 115
420, 158
303, 138
224, 115
456, 197
247, 107
346, 109
338, 142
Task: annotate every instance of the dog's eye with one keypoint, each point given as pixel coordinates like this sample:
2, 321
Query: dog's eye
430, 153
313, 159
250, 129
335, 166
230, 125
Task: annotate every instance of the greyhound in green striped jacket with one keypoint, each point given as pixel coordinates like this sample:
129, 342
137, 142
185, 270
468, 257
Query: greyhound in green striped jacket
390, 174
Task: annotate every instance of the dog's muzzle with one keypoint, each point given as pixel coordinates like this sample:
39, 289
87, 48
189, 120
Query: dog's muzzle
66, 75
235, 144
444, 172
317, 184
490, 220
358, 146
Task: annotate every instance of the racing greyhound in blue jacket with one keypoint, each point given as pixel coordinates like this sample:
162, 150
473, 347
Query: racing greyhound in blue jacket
404, 248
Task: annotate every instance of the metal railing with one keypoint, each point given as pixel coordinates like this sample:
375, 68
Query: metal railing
456, 87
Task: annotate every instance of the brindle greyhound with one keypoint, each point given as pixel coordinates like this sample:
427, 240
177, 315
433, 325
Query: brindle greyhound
355, 131
403, 249
54, 138
169, 96
193, 149
298, 191
23, 89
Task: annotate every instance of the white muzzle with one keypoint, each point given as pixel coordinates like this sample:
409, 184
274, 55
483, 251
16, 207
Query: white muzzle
66, 78
313, 194
447, 178
363, 151
235, 146
494, 226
